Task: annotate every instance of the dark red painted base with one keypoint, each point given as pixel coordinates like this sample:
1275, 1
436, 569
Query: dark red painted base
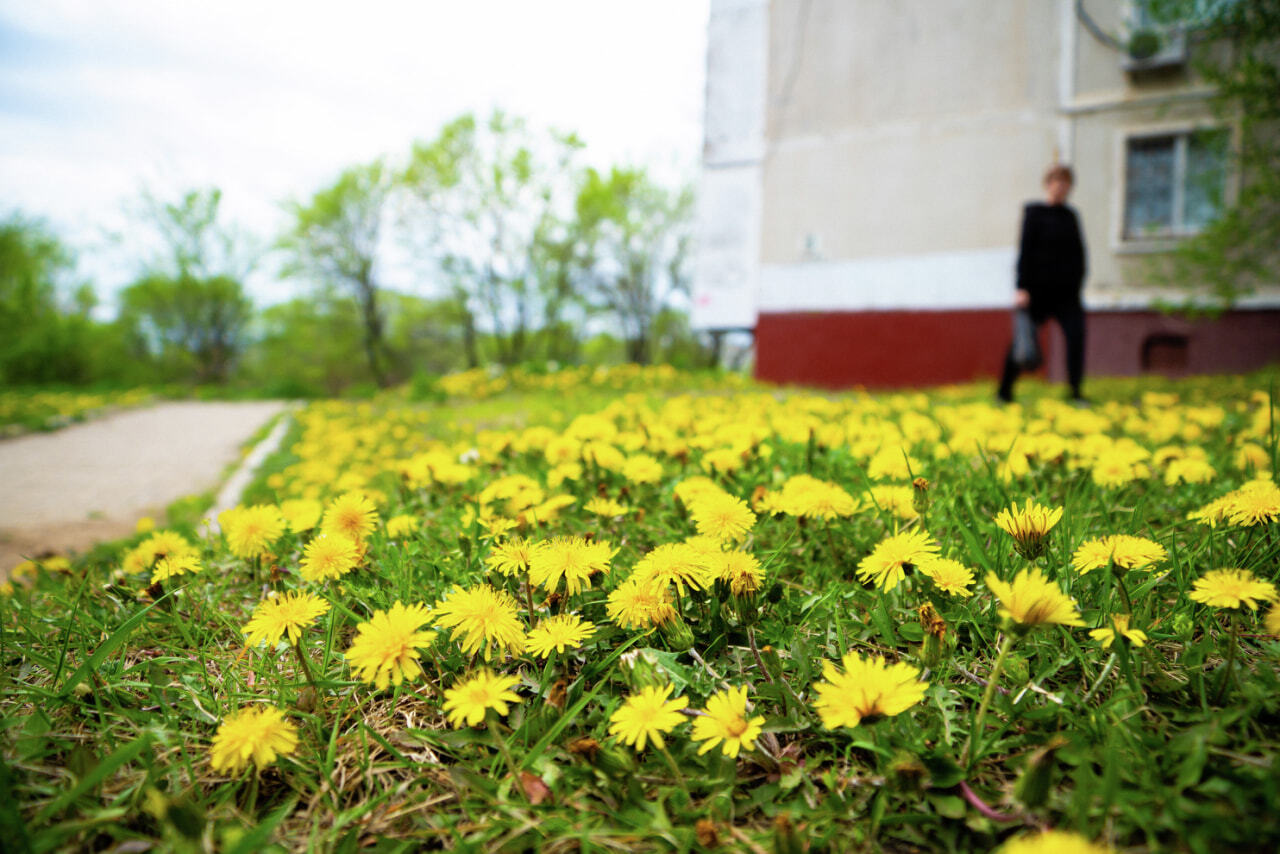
888, 349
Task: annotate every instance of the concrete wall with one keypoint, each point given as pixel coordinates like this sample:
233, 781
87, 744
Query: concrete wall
895, 129
726, 276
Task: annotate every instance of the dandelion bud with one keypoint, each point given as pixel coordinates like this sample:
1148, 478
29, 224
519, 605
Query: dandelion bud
677, 634
705, 830
603, 759
908, 773
1036, 781
920, 495
772, 663
1183, 625
786, 837
641, 669
1018, 669
935, 634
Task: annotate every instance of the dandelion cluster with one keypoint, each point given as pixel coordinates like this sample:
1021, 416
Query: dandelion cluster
827, 607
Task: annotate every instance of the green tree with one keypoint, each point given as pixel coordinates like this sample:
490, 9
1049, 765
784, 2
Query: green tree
40, 340
1239, 54
335, 241
196, 325
489, 202
188, 307
190, 236
636, 244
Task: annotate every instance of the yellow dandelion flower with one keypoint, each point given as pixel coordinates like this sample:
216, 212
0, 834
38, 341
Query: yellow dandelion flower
179, 563
288, 614
1213, 513
1231, 588
1125, 551
403, 525
1272, 621
740, 570
807, 496
385, 650
1053, 842
1255, 503
1117, 468
640, 603
722, 516
466, 703
867, 689
512, 557
1029, 526
258, 733
252, 530
301, 514
1031, 600
892, 556
646, 716
897, 500
724, 722
556, 634
573, 559
481, 615
1251, 455
135, 562
949, 576
691, 489
330, 555
351, 514
675, 563
642, 468
1189, 470
606, 507
1120, 627
161, 545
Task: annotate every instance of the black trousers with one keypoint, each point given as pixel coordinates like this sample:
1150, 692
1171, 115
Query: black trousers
1071, 321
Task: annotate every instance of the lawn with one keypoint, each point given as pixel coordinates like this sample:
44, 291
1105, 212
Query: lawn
638, 610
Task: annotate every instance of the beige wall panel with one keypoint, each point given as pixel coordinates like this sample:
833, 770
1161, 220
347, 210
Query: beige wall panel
836, 64
914, 189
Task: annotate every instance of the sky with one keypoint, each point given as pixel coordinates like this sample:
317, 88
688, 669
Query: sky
270, 99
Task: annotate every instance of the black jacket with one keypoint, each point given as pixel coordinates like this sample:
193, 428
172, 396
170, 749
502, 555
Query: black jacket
1051, 262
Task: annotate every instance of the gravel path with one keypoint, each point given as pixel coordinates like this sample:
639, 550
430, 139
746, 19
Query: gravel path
89, 482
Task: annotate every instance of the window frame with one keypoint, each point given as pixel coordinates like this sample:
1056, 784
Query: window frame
1164, 239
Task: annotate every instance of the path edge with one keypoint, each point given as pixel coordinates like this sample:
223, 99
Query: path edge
231, 490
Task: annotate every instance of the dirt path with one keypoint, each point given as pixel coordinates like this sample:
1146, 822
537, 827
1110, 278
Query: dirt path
89, 482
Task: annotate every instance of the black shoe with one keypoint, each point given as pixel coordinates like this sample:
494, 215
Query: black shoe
1004, 396
1079, 401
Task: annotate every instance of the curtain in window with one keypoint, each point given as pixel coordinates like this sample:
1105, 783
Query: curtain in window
1206, 169
1149, 177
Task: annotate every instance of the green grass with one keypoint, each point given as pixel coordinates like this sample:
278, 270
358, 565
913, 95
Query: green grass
110, 695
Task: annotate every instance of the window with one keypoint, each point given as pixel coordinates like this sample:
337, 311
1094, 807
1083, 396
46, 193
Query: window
1174, 183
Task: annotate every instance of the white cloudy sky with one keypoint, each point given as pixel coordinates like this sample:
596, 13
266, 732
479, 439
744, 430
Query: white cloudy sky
269, 99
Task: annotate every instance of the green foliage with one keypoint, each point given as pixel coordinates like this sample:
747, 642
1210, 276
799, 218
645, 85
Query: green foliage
334, 242
490, 212
637, 240
41, 340
194, 327
305, 347
1239, 57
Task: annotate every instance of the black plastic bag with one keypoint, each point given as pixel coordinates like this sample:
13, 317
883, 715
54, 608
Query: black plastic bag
1026, 344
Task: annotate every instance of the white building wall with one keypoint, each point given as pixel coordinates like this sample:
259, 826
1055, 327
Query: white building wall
726, 274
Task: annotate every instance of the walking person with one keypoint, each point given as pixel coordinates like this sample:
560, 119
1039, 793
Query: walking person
1051, 270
